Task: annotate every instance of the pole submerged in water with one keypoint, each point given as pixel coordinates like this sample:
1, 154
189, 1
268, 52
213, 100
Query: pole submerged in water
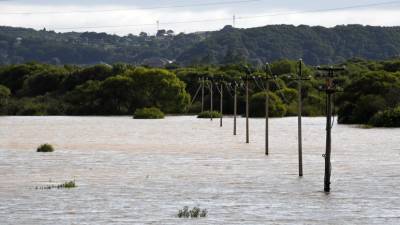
330, 90
221, 103
247, 106
299, 114
327, 179
211, 99
234, 109
267, 117
202, 94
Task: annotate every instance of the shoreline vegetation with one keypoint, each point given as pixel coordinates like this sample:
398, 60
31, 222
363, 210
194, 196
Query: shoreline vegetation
149, 113
370, 93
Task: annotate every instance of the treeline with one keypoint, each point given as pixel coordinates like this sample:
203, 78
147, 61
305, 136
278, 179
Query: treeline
369, 89
41, 89
316, 45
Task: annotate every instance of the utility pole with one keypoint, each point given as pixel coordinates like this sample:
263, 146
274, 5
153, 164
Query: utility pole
299, 79
330, 89
221, 106
247, 79
211, 98
202, 94
267, 117
235, 108
299, 115
267, 79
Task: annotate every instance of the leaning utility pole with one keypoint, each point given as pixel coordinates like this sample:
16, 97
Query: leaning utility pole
330, 89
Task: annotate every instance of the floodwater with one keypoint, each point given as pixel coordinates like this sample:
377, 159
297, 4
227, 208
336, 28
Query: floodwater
142, 172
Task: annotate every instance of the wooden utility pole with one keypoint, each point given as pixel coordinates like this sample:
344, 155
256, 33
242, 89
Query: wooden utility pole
299, 115
247, 79
234, 108
221, 104
267, 117
330, 89
202, 94
211, 99
268, 77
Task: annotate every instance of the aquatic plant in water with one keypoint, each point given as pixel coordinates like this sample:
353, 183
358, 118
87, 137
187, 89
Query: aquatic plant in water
45, 148
66, 185
196, 212
149, 113
209, 114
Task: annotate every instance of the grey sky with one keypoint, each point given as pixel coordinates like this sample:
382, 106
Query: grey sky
123, 17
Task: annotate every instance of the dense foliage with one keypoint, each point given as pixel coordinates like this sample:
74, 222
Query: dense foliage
148, 113
387, 118
209, 114
40, 89
316, 45
369, 87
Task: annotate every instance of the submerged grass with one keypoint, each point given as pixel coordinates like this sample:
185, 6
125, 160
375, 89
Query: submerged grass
209, 114
66, 185
196, 212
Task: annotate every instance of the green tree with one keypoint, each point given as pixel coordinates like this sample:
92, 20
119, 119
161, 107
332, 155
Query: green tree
85, 99
116, 95
276, 106
5, 93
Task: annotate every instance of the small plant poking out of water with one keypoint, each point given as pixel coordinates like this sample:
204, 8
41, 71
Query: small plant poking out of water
148, 113
196, 212
209, 114
45, 148
66, 185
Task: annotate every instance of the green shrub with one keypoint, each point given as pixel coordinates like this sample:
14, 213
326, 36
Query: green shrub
209, 114
45, 148
276, 106
148, 113
387, 118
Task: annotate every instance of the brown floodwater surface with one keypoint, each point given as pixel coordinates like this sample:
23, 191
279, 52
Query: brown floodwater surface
143, 171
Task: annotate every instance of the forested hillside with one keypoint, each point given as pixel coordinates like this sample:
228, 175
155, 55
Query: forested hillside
316, 45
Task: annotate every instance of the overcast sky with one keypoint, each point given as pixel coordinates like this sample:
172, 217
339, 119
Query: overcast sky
123, 17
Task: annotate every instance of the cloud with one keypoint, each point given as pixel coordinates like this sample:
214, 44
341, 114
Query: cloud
202, 20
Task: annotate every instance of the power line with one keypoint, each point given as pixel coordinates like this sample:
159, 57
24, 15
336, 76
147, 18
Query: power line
236, 18
323, 10
135, 9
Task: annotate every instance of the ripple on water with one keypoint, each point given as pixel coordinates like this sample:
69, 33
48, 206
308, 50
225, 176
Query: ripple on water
142, 172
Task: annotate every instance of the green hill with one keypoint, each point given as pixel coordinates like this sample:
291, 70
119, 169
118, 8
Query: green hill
316, 45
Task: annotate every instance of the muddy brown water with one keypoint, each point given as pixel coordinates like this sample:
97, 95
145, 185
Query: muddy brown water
143, 171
